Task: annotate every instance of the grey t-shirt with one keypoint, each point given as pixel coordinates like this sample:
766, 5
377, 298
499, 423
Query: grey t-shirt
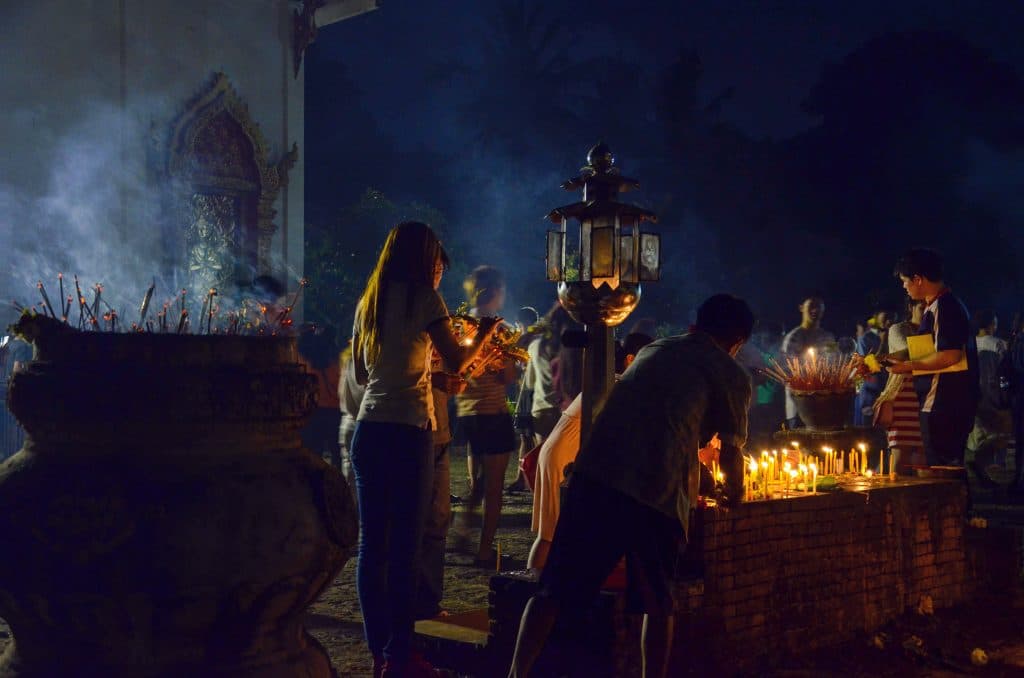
676, 395
398, 385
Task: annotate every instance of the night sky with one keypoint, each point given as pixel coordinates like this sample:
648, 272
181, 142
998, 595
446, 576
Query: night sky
757, 195
770, 52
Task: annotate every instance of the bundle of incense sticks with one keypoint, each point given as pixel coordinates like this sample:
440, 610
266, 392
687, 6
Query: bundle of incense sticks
99, 316
811, 372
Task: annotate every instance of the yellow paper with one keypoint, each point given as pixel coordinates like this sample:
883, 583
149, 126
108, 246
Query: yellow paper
923, 345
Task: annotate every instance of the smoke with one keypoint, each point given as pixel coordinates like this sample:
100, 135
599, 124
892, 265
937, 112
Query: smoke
79, 190
76, 220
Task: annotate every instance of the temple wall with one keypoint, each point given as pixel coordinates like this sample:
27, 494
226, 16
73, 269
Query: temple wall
87, 85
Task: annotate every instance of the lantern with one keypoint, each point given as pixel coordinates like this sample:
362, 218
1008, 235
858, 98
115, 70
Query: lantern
614, 254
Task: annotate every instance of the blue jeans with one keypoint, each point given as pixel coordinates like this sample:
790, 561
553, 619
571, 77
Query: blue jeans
394, 468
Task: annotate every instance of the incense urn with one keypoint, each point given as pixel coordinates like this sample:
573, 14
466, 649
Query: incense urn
163, 518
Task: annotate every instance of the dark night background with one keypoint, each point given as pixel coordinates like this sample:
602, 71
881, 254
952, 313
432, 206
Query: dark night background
788, 147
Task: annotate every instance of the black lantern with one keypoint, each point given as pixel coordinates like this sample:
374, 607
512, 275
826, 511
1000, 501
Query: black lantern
615, 256
614, 251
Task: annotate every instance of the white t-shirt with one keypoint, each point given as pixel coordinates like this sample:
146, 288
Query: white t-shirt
990, 343
398, 387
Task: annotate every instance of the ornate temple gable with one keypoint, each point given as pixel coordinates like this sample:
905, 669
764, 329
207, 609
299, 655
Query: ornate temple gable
220, 187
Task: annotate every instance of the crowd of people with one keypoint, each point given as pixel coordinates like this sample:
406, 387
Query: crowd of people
628, 490
937, 412
404, 390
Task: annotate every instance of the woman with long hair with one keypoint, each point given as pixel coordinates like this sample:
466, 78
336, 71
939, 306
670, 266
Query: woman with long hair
399, 319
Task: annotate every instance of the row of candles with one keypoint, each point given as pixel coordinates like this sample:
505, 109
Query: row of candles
792, 470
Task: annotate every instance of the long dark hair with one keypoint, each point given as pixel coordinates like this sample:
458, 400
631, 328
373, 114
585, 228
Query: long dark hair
409, 255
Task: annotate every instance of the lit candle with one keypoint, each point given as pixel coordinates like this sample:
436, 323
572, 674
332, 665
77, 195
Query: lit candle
764, 478
892, 466
814, 479
881, 462
792, 477
862, 462
752, 465
868, 473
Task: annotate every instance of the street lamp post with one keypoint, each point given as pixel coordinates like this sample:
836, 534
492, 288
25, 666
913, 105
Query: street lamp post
614, 257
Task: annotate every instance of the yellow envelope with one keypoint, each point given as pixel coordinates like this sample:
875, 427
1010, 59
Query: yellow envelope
921, 345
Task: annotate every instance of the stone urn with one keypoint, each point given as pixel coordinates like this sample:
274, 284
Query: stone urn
162, 518
825, 410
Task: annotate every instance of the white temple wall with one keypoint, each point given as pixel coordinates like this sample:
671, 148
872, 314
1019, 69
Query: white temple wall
85, 84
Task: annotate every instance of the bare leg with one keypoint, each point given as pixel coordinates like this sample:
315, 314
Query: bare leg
534, 628
472, 474
524, 447
656, 644
538, 554
494, 466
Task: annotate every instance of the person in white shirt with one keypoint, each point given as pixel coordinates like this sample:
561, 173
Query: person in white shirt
399, 319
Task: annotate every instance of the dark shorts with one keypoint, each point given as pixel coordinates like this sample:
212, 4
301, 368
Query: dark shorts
486, 433
597, 527
945, 434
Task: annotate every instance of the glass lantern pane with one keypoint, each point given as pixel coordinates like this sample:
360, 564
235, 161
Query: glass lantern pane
555, 263
602, 253
650, 257
627, 260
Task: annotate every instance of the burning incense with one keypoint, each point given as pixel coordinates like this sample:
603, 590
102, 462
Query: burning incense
60, 281
209, 317
829, 373
145, 303
81, 304
96, 301
202, 312
46, 299
282, 319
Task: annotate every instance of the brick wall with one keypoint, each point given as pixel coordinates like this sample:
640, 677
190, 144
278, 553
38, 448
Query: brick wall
770, 579
785, 577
